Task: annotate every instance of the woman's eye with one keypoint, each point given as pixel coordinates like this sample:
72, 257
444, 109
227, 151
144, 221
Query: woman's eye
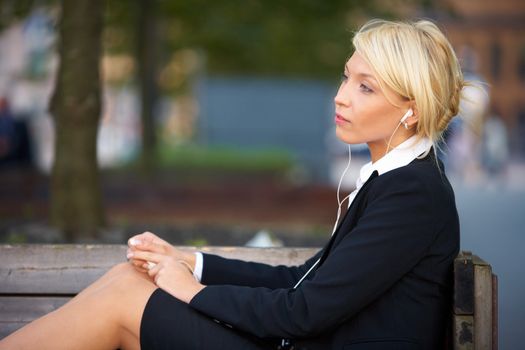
344, 77
365, 89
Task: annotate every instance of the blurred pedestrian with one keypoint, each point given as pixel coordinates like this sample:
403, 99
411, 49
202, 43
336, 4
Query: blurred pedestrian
8, 134
495, 147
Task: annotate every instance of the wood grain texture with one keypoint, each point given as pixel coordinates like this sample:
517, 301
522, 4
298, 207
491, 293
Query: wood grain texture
464, 284
67, 269
16, 312
37, 279
463, 332
495, 323
482, 307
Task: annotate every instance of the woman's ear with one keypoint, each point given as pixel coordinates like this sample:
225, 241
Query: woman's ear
414, 118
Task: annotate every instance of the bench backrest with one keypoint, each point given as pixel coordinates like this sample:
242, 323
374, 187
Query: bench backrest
475, 313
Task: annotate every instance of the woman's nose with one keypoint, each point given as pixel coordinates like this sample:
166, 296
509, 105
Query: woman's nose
342, 97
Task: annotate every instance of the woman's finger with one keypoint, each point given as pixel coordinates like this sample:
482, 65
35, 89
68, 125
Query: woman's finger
130, 253
138, 263
146, 237
153, 270
146, 256
151, 245
140, 269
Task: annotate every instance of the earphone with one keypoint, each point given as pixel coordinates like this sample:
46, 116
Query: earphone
408, 114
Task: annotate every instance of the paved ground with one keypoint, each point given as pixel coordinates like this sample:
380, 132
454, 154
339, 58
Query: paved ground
493, 227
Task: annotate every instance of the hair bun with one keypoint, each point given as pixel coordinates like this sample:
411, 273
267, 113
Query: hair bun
453, 106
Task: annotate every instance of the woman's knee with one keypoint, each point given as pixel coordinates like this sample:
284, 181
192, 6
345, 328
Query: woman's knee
124, 276
127, 294
122, 267
103, 281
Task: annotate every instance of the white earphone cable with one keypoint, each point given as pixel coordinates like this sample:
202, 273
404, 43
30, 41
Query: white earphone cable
339, 201
339, 204
390, 140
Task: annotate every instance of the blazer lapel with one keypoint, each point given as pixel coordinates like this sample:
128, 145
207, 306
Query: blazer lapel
352, 207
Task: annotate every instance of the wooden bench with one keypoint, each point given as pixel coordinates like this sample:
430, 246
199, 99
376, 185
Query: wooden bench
475, 312
36, 279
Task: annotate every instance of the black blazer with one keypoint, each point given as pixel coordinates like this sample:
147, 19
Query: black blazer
384, 281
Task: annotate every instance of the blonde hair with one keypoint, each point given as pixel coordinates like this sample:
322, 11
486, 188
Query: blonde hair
416, 61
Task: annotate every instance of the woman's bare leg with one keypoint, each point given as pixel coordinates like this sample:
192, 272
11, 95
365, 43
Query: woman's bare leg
105, 279
106, 315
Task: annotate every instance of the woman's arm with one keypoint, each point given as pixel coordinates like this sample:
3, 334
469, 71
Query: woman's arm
219, 270
392, 236
176, 276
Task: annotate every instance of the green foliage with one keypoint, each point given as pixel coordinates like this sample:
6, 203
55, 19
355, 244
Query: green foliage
190, 158
16, 238
120, 18
196, 242
309, 38
15, 10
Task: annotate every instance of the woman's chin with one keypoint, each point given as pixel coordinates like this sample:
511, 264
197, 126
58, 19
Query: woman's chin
345, 137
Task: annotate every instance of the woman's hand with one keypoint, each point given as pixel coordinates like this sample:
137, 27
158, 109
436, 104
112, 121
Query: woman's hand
148, 241
170, 274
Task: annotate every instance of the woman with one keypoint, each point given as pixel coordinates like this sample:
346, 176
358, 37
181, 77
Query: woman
383, 280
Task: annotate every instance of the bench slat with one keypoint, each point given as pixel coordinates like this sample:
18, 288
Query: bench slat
474, 306
67, 269
483, 307
15, 312
463, 284
463, 332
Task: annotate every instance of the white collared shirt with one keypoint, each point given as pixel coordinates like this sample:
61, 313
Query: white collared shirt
399, 156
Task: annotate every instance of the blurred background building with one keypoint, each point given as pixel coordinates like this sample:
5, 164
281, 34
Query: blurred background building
490, 37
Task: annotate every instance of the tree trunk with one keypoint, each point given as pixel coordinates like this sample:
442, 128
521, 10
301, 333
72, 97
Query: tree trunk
147, 62
76, 203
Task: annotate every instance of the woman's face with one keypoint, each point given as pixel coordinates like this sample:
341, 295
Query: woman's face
363, 113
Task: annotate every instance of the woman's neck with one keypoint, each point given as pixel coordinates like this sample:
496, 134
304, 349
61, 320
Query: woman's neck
378, 149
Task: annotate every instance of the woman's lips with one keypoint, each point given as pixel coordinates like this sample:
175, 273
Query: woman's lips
340, 120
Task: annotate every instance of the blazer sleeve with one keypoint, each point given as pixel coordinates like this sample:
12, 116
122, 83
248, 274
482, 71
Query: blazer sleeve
392, 235
219, 270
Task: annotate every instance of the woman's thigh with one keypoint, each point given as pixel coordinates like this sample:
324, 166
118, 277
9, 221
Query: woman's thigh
130, 291
121, 295
168, 323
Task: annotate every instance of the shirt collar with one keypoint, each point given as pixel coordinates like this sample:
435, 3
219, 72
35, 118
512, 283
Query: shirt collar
400, 156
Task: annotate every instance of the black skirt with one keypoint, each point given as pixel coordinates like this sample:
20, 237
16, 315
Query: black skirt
168, 323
